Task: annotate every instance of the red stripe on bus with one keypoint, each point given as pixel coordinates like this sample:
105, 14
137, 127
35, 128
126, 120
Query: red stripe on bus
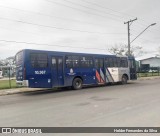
98, 76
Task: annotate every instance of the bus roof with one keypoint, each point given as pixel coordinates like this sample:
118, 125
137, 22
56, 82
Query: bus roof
64, 53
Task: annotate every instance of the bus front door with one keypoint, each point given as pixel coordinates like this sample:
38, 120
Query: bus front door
57, 71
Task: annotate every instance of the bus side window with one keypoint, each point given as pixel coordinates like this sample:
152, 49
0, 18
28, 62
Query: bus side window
75, 61
39, 60
99, 63
131, 64
60, 63
86, 61
110, 61
106, 62
69, 62
114, 62
96, 63
124, 62
53, 62
72, 61
118, 62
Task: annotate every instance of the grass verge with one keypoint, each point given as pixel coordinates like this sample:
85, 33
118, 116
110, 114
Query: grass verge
4, 84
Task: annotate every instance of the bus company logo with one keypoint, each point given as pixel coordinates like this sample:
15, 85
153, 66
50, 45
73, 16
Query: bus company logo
6, 130
71, 72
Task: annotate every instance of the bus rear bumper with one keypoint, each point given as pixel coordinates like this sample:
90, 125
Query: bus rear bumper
23, 83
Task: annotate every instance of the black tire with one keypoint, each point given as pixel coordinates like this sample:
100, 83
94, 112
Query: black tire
124, 80
77, 84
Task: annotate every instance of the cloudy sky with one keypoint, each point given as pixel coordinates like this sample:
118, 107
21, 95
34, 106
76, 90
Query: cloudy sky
90, 26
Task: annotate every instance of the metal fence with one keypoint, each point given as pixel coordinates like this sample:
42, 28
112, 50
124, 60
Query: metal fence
7, 77
151, 71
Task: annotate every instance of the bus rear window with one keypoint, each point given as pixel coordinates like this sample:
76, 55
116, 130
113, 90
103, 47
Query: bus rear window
19, 58
39, 60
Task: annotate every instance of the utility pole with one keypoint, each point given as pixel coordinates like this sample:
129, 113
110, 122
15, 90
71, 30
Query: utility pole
129, 46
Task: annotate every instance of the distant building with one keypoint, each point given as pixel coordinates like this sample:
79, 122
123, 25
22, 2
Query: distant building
7, 70
151, 62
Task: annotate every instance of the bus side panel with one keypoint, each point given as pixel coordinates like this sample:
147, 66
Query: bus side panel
117, 73
110, 76
123, 71
69, 76
39, 81
100, 76
86, 74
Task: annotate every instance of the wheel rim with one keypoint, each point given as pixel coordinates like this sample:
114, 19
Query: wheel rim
124, 80
78, 84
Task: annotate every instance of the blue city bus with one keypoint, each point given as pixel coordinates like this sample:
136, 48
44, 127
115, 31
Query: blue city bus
49, 69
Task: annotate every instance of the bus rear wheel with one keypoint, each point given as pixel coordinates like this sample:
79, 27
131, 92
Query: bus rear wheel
124, 80
77, 84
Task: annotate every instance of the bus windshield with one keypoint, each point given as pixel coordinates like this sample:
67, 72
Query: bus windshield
19, 66
19, 58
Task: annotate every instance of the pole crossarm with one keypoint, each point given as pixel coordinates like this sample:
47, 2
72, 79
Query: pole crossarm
130, 21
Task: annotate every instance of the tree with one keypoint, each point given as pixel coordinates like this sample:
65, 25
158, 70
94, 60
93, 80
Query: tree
121, 49
8, 61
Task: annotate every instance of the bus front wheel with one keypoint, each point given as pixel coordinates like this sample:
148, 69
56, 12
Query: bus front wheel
77, 84
124, 80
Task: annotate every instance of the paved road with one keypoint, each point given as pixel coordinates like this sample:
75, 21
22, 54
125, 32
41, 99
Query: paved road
131, 105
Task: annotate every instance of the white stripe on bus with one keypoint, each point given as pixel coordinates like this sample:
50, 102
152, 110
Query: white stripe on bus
109, 76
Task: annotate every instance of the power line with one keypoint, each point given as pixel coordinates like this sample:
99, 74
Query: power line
54, 27
51, 16
98, 5
53, 2
142, 24
98, 10
39, 13
21, 31
92, 8
92, 3
32, 43
68, 19
89, 8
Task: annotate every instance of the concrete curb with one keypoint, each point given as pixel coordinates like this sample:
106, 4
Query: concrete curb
23, 90
19, 90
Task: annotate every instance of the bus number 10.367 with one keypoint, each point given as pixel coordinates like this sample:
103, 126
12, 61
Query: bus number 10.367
42, 72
